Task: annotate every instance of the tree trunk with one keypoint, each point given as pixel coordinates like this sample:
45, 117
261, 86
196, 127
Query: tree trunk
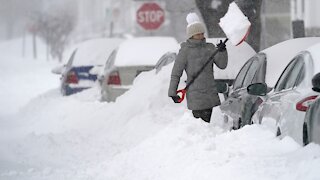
34, 45
252, 9
211, 15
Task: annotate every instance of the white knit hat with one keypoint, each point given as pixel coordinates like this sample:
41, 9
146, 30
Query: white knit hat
195, 26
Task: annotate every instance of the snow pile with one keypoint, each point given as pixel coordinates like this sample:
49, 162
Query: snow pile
199, 151
143, 135
22, 77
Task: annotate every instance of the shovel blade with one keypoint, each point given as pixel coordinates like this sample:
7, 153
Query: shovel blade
235, 24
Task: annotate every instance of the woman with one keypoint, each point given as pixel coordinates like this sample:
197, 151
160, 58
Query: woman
202, 94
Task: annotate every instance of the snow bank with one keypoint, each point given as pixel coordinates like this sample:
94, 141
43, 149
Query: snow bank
22, 77
143, 135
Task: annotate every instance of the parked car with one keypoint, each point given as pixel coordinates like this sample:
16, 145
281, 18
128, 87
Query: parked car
311, 125
132, 57
166, 59
264, 68
278, 110
84, 64
237, 56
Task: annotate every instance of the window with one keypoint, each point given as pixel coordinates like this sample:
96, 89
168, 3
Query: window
252, 71
110, 60
240, 77
70, 61
293, 74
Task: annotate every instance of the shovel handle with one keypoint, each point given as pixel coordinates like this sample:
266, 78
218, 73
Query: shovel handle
183, 94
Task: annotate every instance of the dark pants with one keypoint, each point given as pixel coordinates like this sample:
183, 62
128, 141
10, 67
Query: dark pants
204, 114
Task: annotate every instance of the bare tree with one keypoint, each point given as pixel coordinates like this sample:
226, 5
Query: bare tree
55, 27
212, 11
13, 16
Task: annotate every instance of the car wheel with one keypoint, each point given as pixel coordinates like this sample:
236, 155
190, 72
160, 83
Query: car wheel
305, 134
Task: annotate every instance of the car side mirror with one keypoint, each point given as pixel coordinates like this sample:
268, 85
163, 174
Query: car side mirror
316, 82
222, 87
257, 89
58, 69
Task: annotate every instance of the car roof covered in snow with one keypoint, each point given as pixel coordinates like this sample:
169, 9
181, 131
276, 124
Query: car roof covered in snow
315, 53
279, 55
144, 50
95, 51
237, 57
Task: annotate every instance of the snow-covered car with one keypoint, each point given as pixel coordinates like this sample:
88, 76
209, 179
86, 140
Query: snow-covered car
278, 110
84, 64
311, 104
265, 67
126, 62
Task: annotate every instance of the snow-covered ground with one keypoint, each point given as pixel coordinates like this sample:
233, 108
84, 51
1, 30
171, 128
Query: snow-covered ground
143, 135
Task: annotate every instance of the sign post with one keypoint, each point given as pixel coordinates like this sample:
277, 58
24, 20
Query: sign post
150, 16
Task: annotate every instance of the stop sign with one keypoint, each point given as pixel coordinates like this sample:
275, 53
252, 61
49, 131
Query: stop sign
150, 16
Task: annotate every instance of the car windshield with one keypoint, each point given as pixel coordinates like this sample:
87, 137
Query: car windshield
110, 60
239, 80
292, 75
251, 72
70, 61
165, 60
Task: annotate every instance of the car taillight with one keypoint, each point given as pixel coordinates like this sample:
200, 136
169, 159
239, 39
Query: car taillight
304, 103
114, 78
72, 78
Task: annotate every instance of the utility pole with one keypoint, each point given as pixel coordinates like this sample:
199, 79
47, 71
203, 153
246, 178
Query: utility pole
297, 18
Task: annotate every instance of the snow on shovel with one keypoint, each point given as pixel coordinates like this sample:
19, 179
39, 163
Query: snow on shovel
236, 26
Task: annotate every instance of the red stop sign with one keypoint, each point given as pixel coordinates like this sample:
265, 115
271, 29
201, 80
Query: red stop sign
150, 16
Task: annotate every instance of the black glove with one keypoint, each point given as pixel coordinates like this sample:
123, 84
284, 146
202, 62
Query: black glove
221, 46
175, 98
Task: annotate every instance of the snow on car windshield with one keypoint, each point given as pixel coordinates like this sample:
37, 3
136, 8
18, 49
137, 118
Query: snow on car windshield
144, 51
95, 52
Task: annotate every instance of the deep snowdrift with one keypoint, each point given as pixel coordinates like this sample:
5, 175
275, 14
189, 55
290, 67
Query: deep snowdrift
143, 135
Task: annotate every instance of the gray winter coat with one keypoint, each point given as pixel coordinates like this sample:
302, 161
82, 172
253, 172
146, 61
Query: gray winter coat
193, 54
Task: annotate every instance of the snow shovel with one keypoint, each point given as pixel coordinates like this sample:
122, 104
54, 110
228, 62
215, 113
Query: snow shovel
236, 26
